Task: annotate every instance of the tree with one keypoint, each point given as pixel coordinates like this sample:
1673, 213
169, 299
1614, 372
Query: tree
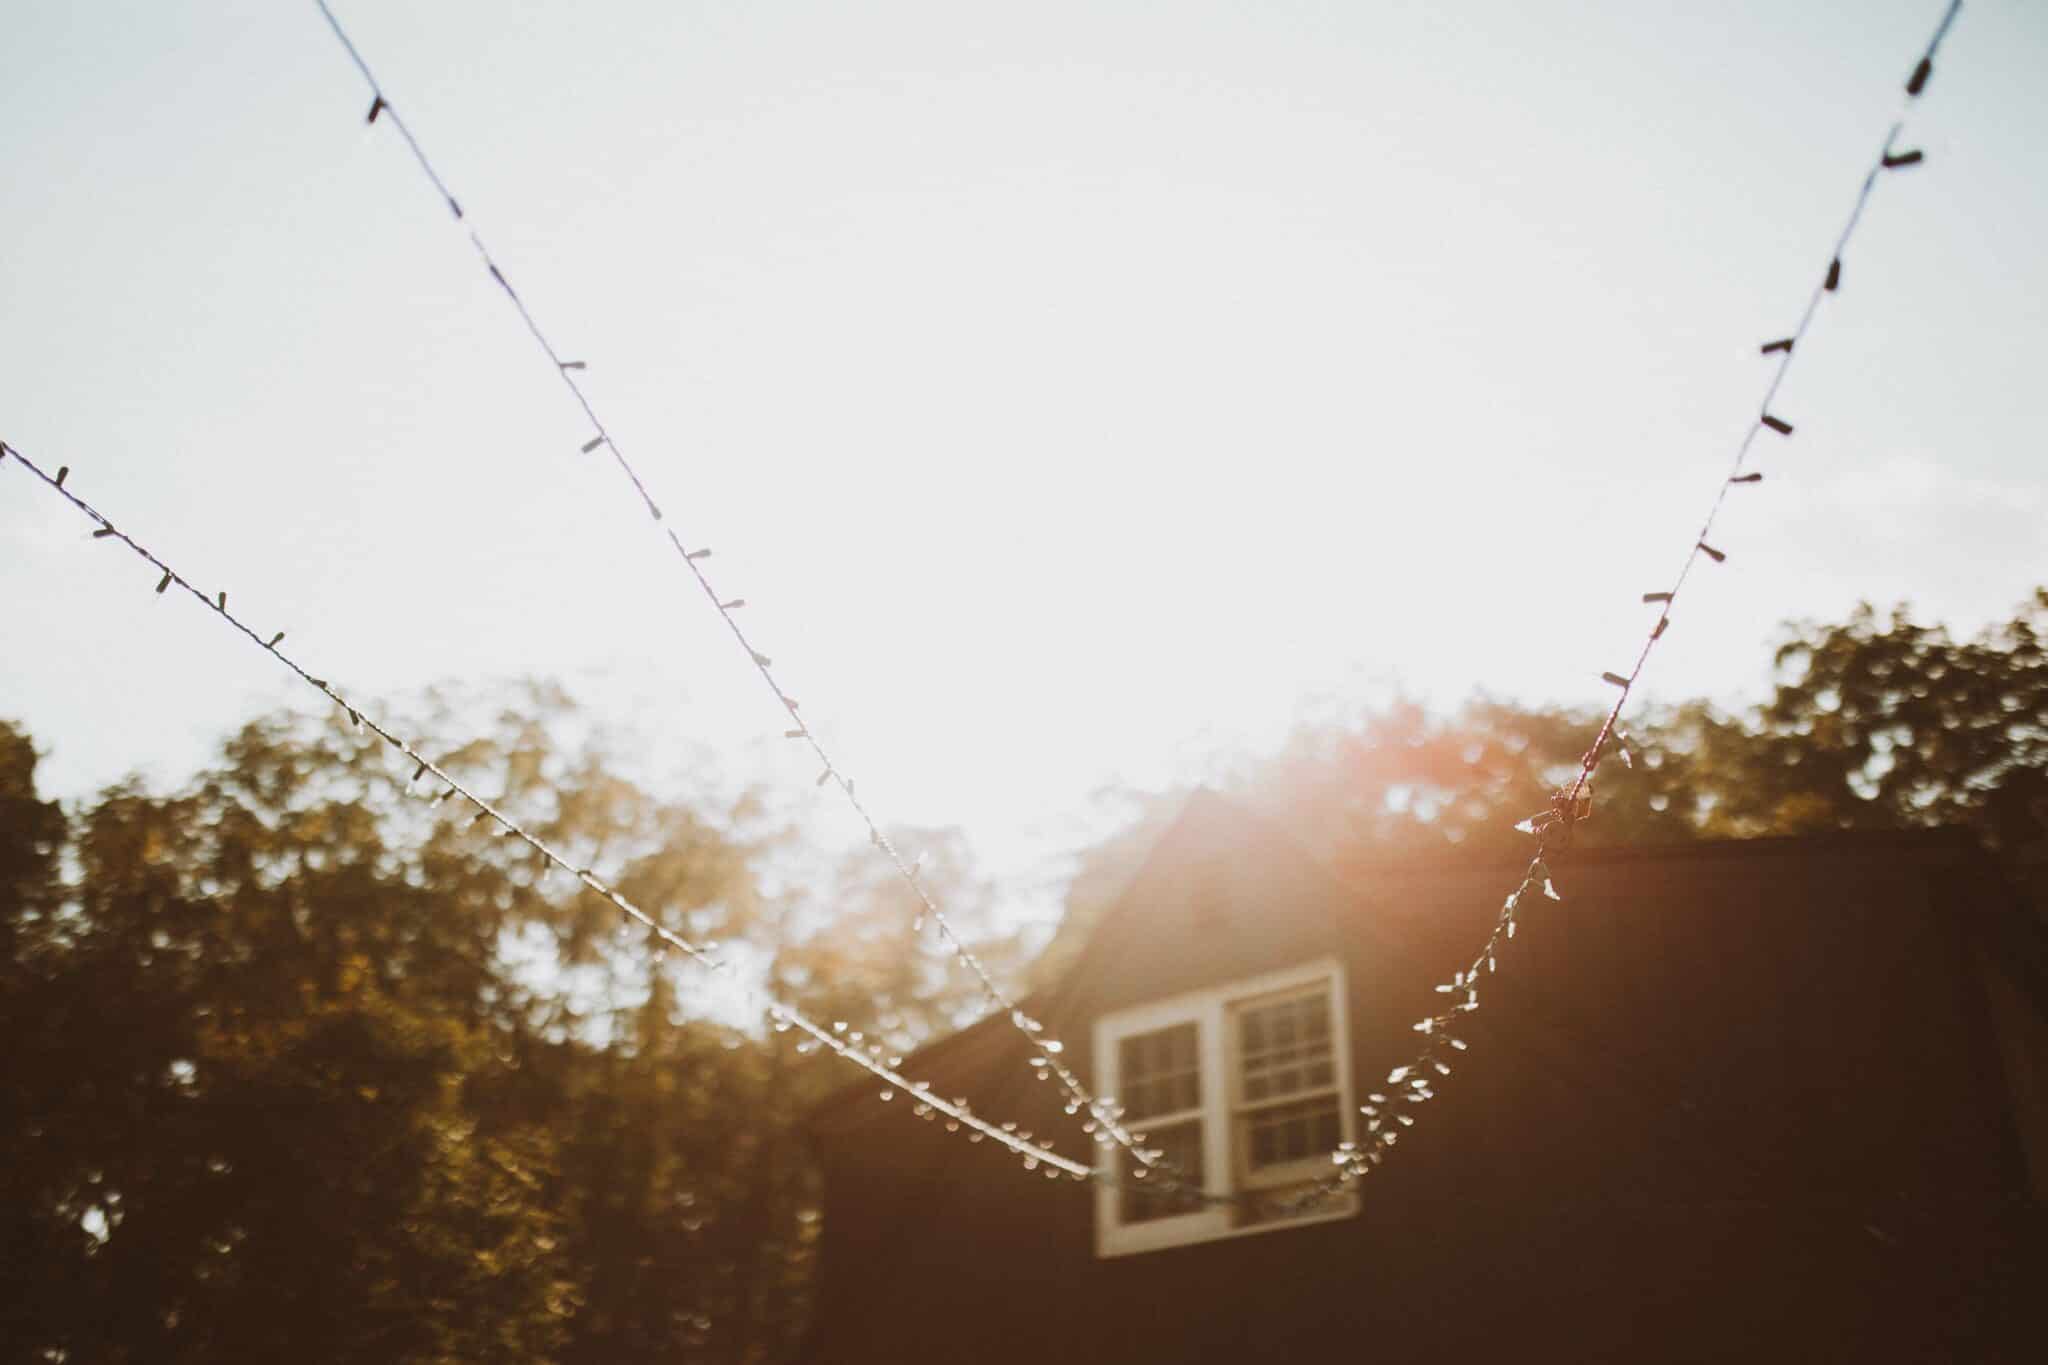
303, 1063
1880, 722
249, 1140
306, 1065
1871, 723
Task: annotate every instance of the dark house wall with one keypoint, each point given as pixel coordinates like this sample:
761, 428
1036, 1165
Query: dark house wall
1737, 1100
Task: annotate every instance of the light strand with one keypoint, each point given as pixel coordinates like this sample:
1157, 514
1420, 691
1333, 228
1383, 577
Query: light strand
1048, 1054
1410, 1084
956, 1111
1387, 1112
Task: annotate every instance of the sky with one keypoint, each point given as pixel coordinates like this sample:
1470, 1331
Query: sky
1075, 392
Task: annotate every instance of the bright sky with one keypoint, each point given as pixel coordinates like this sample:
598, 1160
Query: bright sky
1071, 389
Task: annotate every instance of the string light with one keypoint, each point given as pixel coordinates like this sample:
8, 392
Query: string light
1552, 828
783, 1015
692, 561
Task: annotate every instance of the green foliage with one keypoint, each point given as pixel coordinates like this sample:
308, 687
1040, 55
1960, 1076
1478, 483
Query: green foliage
1882, 721
1872, 723
304, 1066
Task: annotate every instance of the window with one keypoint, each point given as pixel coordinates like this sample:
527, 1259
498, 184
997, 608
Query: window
1161, 1075
1246, 1089
1287, 1107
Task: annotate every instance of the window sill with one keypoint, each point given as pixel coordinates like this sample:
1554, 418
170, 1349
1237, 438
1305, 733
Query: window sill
1195, 1229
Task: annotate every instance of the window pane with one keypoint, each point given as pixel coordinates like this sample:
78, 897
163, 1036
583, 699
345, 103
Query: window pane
1284, 1046
1159, 1073
1291, 1132
1150, 1196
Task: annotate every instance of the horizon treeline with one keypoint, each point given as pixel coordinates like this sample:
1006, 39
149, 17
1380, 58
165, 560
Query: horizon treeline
302, 1064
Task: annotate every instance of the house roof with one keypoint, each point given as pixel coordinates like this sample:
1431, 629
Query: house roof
1216, 840
1208, 826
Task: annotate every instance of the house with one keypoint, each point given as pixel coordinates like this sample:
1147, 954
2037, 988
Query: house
1773, 1099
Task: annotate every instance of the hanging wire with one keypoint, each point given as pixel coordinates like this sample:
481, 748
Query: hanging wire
782, 1015
1389, 1112
1048, 1057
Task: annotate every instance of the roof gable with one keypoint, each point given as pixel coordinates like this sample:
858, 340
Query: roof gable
1224, 894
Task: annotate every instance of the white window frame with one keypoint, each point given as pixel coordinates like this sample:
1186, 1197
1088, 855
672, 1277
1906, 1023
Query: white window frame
1216, 1048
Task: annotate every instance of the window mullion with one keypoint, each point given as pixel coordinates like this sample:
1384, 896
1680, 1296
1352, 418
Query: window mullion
1219, 1168
1291, 1097
1145, 1123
